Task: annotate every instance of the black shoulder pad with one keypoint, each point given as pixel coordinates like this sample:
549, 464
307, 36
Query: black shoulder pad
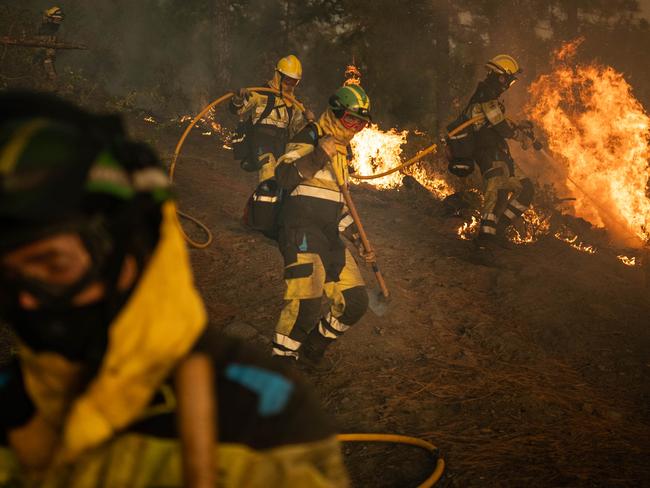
308, 135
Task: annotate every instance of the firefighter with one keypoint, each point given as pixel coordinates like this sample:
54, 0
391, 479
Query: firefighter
51, 22
95, 281
507, 193
273, 119
312, 221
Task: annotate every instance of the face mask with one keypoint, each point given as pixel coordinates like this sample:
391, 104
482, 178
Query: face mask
353, 123
79, 333
289, 83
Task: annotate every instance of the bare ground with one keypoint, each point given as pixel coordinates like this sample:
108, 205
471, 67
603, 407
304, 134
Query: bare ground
533, 373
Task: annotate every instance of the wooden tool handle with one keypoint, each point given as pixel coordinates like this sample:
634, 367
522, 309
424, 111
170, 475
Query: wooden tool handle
197, 421
364, 238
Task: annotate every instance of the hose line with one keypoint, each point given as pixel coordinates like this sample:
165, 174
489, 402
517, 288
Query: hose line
403, 439
422, 153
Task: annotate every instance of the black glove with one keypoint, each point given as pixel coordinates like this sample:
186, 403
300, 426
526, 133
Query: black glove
240, 96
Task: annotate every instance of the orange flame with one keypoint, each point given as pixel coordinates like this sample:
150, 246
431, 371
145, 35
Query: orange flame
468, 230
375, 151
627, 261
435, 182
600, 131
536, 224
568, 236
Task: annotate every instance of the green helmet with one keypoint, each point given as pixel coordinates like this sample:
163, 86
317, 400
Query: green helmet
351, 99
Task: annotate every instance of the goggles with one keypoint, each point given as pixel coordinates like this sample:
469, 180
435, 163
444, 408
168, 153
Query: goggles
353, 122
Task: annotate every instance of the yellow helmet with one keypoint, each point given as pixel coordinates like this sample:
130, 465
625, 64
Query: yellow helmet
503, 64
54, 14
290, 66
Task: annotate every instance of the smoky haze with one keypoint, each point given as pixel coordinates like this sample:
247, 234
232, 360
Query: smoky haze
420, 60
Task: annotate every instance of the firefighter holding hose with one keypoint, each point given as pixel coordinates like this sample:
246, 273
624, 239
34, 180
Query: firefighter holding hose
270, 120
507, 194
116, 363
312, 221
267, 123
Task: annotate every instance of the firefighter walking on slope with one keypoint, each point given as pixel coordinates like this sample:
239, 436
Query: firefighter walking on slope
312, 221
507, 193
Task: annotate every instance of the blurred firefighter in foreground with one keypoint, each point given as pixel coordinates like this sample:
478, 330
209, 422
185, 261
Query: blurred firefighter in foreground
312, 220
51, 22
116, 362
507, 194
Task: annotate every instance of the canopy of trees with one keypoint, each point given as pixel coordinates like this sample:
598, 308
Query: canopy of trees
419, 59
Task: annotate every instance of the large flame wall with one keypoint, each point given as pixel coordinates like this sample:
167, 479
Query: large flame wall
600, 132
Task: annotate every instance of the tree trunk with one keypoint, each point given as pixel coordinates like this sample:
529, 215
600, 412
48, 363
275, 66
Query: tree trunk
442, 58
288, 26
572, 19
221, 45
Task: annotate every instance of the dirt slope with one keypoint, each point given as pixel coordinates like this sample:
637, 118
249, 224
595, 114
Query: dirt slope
533, 373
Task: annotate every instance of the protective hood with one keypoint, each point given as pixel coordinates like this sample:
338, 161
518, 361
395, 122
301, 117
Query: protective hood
157, 326
330, 125
276, 84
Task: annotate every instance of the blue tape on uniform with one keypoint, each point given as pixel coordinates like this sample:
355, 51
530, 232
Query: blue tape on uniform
274, 390
303, 244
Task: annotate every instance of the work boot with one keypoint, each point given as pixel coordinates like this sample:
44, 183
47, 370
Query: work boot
312, 353
484, 246
484, 242
501, 238
503, 242
285, 362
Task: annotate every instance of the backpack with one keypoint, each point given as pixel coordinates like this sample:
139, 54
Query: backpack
460, 148
263, 208
262, 211
243, 142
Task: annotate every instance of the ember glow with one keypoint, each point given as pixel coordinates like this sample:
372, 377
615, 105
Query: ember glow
536, 224
627, 261
469, 230
567, 235
210, 127
600, 131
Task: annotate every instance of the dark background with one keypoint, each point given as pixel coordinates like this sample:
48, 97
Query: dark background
419, 59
